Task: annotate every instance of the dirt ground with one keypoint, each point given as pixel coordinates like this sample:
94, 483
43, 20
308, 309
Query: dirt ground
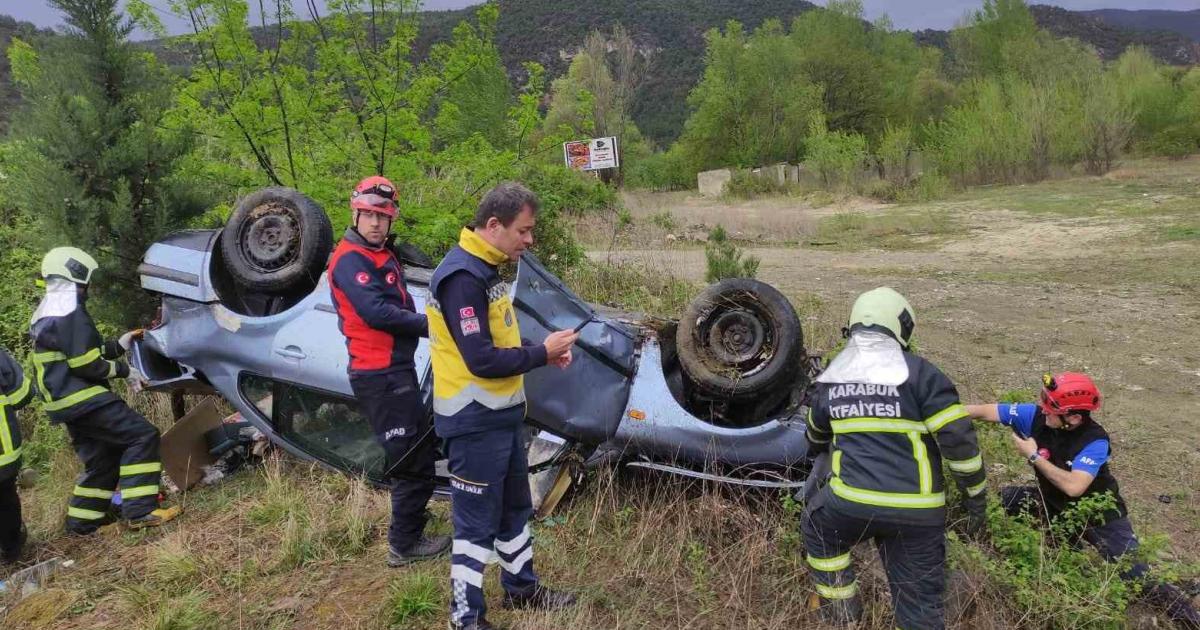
1105, 284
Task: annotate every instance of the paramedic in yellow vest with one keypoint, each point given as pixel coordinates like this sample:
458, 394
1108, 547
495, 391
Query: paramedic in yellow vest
479, 406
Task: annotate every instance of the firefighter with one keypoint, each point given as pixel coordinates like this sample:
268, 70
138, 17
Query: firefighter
118, 447
379, 320
15, 392
479, 406
888, 418
1069, 453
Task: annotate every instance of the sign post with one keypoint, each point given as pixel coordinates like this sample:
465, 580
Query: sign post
592, 155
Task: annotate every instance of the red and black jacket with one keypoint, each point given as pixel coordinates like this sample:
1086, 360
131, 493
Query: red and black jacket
375, 311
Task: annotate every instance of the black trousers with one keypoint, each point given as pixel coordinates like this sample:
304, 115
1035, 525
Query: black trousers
119, 449
392, 404
10, 520
913, 556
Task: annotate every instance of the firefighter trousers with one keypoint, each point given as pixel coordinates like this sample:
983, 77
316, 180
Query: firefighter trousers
10, 519
913, 556
119, 450
393, 407
491, 508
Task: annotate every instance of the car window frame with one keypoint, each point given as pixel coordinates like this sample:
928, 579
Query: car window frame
341, 464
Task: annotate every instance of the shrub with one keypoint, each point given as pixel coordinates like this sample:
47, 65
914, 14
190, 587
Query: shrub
928, 186
835, 155
1046, 574
725, 260
664, 219
893, 158
745, 184
666, 170
563, 192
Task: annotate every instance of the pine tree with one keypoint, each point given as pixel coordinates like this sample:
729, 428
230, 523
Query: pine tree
96, 166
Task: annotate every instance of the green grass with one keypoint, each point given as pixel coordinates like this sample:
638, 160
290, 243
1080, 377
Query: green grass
1156, 193
1181, 232
631, 286
1023, 395
895, 230
413, 597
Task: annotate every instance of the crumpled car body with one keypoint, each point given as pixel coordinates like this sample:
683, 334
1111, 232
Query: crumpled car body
285, 370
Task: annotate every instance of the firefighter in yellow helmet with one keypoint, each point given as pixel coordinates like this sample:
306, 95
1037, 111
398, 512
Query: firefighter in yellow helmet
117, 446
888, 419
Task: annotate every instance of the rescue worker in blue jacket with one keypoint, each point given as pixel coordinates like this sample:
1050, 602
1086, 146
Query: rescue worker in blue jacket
15, 392
479, 406
888, 418
379, 320
118, 447
1069, 452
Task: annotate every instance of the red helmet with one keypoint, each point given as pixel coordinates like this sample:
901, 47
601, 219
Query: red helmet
1069, 392
374, 194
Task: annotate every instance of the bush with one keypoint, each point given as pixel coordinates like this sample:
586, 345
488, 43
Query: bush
725, 260
1107, 126
1047, 575
564, 193
664, 219
745, 184
983, 140
893, 158
928, 186
835, 155
666, 170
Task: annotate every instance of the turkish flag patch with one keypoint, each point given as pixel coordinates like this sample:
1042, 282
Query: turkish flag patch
391, 277
362, 277
466, 311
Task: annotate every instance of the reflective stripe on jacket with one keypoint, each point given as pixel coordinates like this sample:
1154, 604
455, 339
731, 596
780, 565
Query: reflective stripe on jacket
477, 352
889, 442
15, 392
74, 364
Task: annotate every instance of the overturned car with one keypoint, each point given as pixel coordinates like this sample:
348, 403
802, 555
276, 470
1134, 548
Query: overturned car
246, 313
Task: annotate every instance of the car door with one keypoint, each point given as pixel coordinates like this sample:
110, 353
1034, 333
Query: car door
586, 401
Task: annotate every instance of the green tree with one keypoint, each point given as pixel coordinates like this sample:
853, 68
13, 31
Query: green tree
867, 72
594, 98
1107, 125
478, 96
323, 102
95, 164
1002, 39
1163, 101
835, 155
753, 104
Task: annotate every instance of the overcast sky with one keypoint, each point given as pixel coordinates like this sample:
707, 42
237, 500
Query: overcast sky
905, 14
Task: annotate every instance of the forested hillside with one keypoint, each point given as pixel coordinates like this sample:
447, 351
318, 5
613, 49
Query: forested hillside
670, 36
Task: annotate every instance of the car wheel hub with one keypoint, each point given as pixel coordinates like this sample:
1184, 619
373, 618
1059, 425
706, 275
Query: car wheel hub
736, 337
271, 238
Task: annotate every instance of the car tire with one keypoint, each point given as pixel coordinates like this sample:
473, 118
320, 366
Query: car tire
740, 339
412, 256
276, 239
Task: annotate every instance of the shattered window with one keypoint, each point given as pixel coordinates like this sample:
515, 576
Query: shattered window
327, 426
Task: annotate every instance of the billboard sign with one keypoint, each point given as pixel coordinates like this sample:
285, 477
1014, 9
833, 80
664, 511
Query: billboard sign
591, 155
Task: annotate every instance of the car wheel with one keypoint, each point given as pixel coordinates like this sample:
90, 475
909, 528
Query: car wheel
740, 339
412, 256
275, 239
